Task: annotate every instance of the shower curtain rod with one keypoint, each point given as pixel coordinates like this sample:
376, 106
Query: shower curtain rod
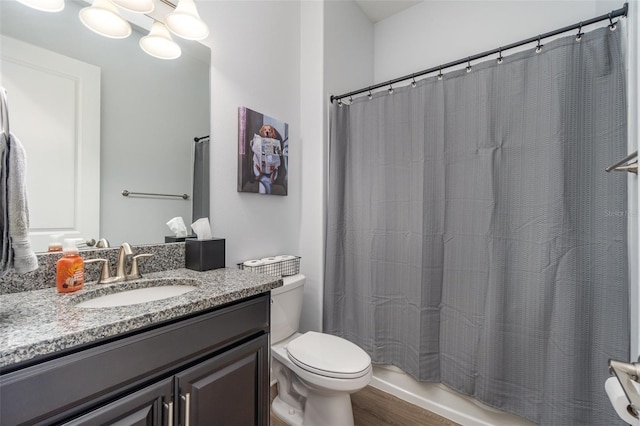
613, 14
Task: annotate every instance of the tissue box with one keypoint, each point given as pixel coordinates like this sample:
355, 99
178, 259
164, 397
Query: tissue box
174, 239
203, 255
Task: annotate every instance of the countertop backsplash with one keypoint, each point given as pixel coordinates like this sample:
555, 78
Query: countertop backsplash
165, 257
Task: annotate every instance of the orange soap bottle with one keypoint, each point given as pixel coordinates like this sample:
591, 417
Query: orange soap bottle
70, 268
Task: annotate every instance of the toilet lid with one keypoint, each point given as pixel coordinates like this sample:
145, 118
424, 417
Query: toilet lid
328, 355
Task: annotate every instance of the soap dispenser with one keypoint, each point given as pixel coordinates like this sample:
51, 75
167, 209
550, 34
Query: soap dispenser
55, 244
70, 268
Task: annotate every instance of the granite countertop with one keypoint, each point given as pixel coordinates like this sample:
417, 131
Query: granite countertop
41, 322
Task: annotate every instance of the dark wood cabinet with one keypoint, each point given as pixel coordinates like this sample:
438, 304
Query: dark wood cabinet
151, 406
207, 369
227, 390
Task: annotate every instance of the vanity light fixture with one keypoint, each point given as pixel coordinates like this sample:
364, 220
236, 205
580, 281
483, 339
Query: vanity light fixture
44, 5
159, 43
136, 6
102, 17
185, 21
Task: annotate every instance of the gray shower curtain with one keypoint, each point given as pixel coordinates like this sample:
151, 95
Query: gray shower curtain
473, 237
200, 207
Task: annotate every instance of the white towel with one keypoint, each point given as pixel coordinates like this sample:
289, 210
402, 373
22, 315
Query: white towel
24, 259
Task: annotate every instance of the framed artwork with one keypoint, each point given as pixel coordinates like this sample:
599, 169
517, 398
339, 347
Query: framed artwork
263, 153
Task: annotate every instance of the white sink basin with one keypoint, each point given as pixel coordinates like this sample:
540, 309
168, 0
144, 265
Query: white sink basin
139, 295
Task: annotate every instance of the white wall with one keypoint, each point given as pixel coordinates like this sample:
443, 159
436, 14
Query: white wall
436, 32
280, 58
255, 62
348, 47
312, 133
337, 54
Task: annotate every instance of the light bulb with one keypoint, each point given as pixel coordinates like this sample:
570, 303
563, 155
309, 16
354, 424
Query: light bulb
102, 17
44, 5
159, 43
185, 21
136, 6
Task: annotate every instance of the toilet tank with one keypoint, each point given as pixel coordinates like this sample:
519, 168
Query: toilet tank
286, 305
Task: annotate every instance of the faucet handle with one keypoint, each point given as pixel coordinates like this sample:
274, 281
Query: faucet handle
135, 273
105, 273
103, 243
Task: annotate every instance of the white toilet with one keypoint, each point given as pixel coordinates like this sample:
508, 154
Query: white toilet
315, 372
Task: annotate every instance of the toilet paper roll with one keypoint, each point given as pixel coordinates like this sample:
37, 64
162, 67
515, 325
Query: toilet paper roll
253, 265
619, 399
284, 257
272, 266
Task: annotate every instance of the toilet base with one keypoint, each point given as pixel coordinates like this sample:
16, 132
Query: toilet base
320, 409
286, 413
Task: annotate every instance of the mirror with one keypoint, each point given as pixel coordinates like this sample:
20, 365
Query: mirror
150, 111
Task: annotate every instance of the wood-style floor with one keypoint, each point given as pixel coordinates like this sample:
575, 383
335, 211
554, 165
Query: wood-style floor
372, 407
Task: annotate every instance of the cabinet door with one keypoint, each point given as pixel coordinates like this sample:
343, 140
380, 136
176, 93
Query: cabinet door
146, 407
228, 389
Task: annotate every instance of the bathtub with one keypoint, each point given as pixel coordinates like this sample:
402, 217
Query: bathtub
441, 400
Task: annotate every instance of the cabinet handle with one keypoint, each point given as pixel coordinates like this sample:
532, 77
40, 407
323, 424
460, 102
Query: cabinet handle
169, 408
187, 408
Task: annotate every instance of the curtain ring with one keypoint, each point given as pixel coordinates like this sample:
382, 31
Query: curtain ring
390, 89
539, 46
612, 25
350, 99
500, 59
339, 102
370, 95
579, 35
413, 81
440, 74
469, 64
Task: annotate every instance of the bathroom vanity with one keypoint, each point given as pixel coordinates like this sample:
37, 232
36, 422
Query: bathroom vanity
197, 358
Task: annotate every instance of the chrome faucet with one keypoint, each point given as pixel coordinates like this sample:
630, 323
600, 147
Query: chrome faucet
134, 272
125, 250
105, 273
121, 274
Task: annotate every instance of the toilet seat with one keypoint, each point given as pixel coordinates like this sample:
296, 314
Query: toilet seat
329, 356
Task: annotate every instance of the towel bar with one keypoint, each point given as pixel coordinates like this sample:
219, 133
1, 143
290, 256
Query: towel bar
126, 193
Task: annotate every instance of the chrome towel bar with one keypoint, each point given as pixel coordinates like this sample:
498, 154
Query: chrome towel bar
126, 193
